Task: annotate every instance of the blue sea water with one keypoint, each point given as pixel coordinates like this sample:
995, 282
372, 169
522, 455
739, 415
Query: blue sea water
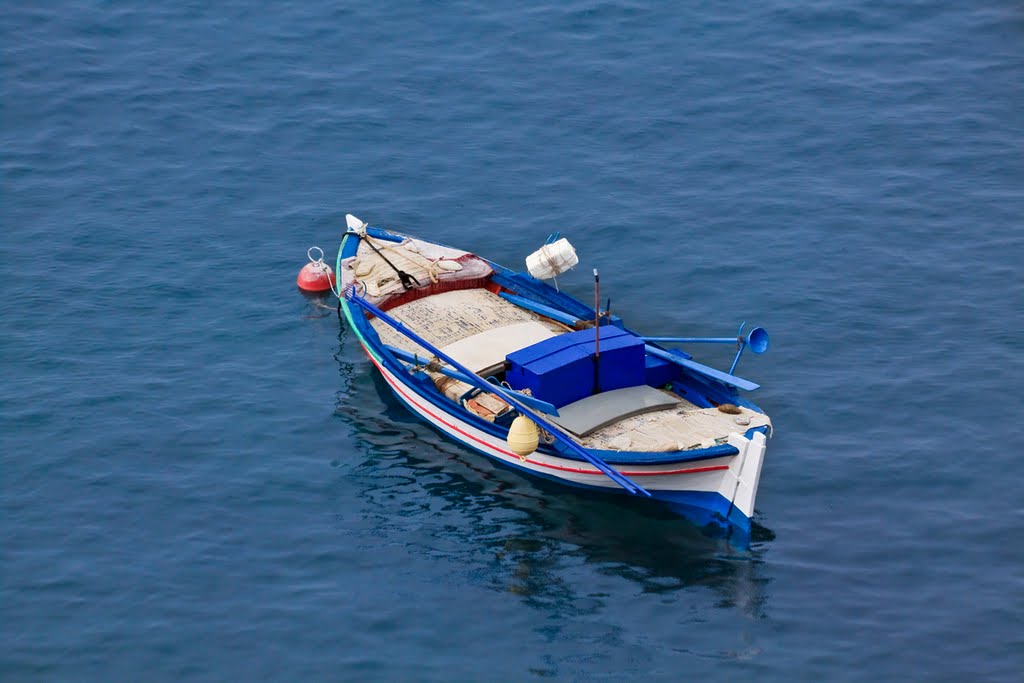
201, 478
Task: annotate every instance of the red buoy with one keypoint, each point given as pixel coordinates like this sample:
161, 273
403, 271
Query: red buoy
316, 276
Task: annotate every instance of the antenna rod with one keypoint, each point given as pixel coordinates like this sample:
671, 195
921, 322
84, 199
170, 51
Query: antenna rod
597, 333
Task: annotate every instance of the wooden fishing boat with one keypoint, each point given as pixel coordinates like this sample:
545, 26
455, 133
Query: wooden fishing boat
507, 365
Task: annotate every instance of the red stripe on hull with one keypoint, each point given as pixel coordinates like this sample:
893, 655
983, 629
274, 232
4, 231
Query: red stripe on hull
398, 389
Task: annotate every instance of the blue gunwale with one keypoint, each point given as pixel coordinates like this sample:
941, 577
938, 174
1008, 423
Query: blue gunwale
525, 285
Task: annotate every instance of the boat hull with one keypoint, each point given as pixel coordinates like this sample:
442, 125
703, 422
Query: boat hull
715, 494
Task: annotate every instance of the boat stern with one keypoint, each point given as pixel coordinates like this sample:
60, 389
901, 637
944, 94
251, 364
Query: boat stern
739, 485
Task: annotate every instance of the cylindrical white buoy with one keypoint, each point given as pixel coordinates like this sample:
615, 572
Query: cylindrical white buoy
552, 260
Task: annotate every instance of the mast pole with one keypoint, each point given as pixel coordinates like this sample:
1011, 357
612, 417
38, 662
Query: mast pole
597, 333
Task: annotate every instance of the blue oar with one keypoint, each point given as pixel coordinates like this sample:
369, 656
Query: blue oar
484, 385
723, 377
756, 339
536, 404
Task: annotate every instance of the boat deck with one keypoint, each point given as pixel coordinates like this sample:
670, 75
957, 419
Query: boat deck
448, 318
484, 328
684, 427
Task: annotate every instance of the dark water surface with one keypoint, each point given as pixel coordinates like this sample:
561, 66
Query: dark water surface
201, 479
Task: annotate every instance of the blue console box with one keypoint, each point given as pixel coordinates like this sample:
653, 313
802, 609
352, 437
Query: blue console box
560, 370
660, 372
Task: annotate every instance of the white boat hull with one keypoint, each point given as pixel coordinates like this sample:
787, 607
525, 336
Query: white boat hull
726, 485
